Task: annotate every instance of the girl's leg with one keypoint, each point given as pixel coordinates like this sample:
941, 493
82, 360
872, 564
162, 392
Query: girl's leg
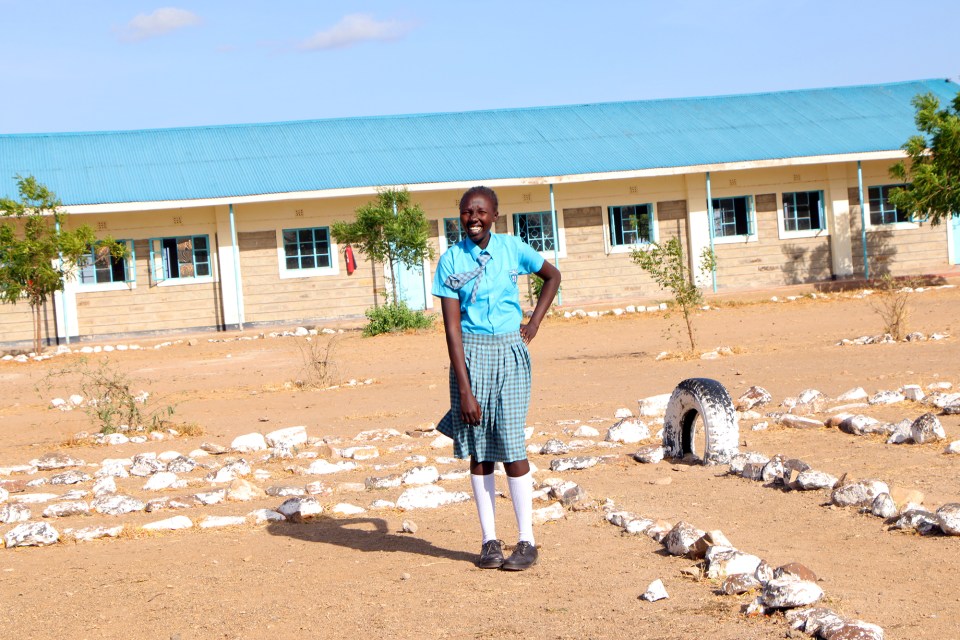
485, 494
521, 493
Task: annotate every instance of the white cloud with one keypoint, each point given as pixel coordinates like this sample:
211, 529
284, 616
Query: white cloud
353, 29
160, 22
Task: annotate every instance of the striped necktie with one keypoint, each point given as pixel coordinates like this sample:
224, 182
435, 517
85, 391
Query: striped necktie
458, 280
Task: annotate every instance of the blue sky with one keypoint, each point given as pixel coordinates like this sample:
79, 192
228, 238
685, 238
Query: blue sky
108, 65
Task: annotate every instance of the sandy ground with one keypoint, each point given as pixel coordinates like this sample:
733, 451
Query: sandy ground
359, 576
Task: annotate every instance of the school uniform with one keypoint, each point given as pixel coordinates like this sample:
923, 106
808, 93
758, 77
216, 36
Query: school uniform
498, 362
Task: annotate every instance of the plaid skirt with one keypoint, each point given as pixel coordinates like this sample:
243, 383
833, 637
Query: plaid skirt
499, 370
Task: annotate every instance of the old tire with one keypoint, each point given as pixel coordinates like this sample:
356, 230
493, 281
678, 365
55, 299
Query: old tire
710, 400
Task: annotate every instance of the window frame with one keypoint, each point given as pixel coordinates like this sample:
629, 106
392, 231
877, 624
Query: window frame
751, 220
547, 215
307, 272
823, 230
129, 267
159, 263
626, 247
444, 239
909, 223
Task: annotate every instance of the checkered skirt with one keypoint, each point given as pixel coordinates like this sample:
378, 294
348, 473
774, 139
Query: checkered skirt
499, 370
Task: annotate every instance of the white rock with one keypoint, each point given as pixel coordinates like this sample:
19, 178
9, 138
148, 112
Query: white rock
680, 540
66, 509
429, 496
628, 430
811, 480
545, 514
31, 534
347, 509
913, 392
379, 505
76, 400
800, 422
169, 524
160, 481
290, 436
113, 468
211, 522
728, 562
265, 515
853, 395
86, 534
421, 475
116, 505
36, 498
623, 412
655, 591
788, 593
365, 452
211, 497
586, 432
4, 494
927, 428
953, 447
59, 403
654, 405
249, 443
241, 490
441, 442
322, 467
300, 508
886, 397
883, 506
949, 518
14, 512
650, 454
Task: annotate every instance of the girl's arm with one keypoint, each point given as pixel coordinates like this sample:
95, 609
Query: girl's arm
551, 284
469, 407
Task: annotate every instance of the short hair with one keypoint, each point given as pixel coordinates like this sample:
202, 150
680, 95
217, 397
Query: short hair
481, 190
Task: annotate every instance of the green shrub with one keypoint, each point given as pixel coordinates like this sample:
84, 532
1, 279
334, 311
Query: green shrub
394, 316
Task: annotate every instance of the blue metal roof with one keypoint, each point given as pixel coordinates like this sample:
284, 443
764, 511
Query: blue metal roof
240, 160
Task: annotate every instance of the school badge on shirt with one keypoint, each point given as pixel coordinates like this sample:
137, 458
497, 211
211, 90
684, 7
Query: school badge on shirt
513, 276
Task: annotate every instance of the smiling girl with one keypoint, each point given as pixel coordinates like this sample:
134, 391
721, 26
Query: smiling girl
476, 282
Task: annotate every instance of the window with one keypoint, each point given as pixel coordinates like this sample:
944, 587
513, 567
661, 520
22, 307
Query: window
881, 211
536, 229
452, 230
803, 211
306, 248
631, 224
733, 217
180, 258
100, 267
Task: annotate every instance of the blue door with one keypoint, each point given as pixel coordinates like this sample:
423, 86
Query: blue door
955, 233
410, 286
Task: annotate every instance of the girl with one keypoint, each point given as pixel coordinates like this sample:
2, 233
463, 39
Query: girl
476, 281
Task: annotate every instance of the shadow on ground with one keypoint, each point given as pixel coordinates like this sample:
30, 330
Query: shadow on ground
364, 534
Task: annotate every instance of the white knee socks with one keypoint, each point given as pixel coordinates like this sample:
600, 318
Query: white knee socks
521, 492
485, 495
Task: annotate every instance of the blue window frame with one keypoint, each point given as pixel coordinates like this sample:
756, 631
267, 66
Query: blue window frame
452, 230
99, 266
881, 211
306, 248
631, 224
803, 211
536, 229
179, 258
733, 216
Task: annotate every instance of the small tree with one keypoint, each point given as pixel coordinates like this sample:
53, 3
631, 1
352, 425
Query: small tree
667, 266
390, 229
934, 162
37, 252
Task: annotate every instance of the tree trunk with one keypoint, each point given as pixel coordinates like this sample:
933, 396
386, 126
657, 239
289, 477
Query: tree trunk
35, 311
376, 295
393, 281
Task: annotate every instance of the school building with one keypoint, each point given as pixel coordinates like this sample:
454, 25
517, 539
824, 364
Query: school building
229, 226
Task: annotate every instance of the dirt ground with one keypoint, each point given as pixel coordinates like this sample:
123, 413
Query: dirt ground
358, 576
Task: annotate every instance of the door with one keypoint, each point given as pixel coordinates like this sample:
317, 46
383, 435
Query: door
955, 238
411, 285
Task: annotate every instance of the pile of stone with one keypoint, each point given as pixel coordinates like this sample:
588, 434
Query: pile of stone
843, 412
790, 588
886, 338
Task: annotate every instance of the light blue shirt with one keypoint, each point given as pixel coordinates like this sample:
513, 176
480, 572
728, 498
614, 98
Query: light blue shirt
497, 307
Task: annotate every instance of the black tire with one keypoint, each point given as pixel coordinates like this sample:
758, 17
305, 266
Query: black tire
710, 400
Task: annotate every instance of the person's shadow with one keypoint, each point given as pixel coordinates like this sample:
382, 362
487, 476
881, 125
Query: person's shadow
364, 534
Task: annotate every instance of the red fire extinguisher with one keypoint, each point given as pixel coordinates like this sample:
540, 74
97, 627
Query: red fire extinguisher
349, 259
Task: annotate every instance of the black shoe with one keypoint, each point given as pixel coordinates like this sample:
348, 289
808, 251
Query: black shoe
491, 555
523, 557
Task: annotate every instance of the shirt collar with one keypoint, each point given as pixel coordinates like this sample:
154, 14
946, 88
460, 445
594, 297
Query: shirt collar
474, 250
